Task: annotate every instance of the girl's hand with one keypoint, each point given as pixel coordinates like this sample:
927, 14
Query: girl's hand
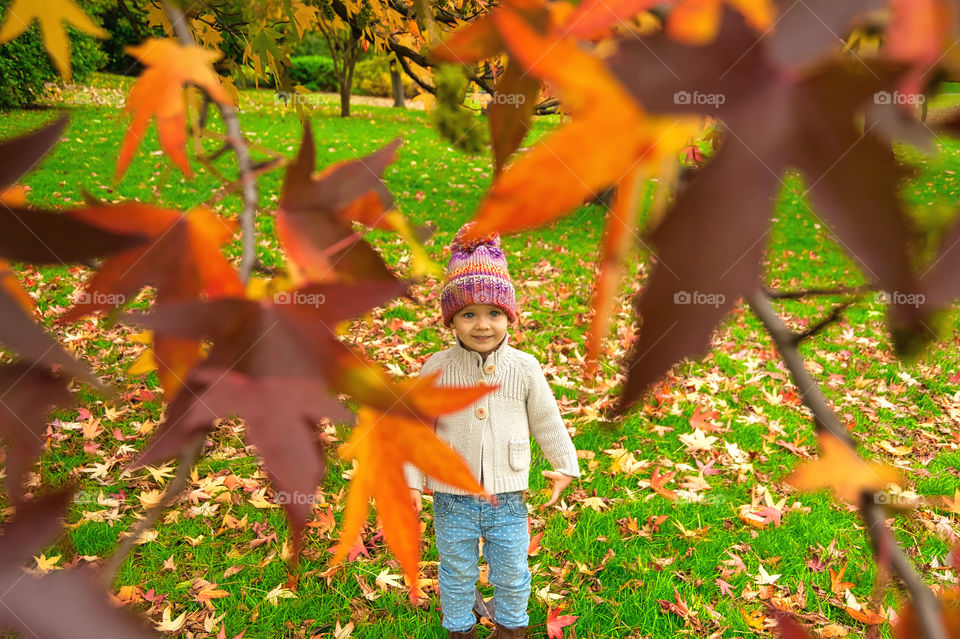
560, 483
417, 501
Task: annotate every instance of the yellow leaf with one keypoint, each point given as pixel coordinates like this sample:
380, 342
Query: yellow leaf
305, 17
47, 564
150, 498
230, 89
696, 22
144, 364
157, 17
171, 625
596, 503
899, 451
206, 34
421, 264
428, 100
257, 500
385, 580
51, 15
280, 593
843, 471
159, 474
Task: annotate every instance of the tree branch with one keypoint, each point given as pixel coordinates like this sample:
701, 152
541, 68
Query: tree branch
244, 165
884, 544
812, 292
929, 612
784, 338
134, 23
833, 317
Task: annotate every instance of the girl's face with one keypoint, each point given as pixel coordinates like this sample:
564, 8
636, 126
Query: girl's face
481, 327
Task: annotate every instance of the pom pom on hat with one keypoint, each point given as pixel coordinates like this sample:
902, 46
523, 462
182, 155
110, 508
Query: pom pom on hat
469, 246
477, 274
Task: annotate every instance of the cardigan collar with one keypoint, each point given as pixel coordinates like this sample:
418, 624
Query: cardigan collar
471, 360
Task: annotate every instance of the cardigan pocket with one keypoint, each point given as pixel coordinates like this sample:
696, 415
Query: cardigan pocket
519, 454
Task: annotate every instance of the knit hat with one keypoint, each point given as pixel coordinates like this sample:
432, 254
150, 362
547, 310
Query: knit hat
477, 274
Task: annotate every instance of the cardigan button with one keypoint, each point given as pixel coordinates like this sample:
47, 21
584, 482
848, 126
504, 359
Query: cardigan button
482, 382
481, 412
489, 369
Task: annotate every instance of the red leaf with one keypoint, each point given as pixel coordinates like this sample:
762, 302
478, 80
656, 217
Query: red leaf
557, 622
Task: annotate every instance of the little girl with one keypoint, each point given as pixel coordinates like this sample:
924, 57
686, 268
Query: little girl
493, 437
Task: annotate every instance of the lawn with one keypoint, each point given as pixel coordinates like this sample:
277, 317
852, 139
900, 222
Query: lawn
628, 561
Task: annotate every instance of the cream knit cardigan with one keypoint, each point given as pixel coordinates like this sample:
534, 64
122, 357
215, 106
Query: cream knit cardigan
494, 433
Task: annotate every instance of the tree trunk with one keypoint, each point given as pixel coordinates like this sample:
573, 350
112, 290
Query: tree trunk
344, 100
350, 57
396, 80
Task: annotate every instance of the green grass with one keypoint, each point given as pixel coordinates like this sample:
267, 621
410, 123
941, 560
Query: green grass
739, 379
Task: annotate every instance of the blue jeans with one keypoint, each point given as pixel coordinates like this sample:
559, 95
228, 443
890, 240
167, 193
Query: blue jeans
460, 521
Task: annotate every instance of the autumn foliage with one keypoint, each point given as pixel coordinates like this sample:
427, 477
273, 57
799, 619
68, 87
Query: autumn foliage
766, 79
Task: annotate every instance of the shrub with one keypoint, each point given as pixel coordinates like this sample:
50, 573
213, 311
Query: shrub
372, 77
25, 64
314, 72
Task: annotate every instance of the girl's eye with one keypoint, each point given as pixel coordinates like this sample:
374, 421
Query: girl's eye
495, 313
468, 315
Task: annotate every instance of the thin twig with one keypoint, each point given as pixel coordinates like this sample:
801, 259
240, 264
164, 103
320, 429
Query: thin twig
189, 456
832, 318
244, 163
783, 337
882, 540
813, 292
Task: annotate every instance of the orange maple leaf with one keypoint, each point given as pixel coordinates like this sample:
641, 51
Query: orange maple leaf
908, 625
837, 585
159, 92
657, 482
381, 443
610, 140
694, 22
593, 18
697, 22
840, 469
617, 239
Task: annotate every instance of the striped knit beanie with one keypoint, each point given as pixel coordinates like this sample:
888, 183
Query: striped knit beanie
477, 274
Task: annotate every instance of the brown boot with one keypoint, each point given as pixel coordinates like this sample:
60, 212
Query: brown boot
509, 633
469, 634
